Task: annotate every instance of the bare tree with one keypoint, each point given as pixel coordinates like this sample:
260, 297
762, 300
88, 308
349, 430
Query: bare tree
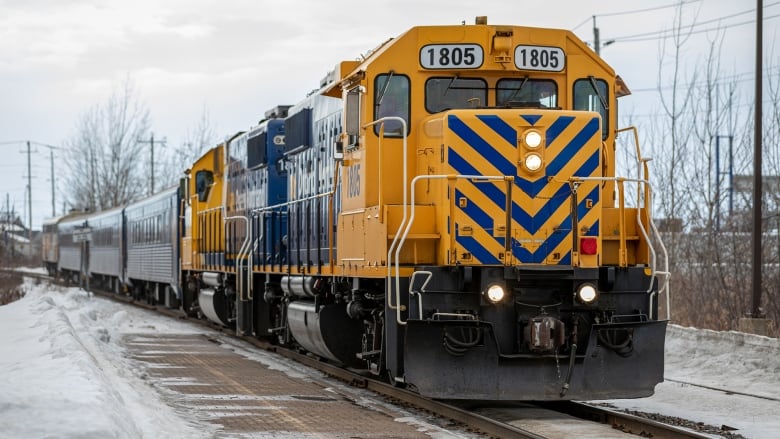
675, 145
198, 139
102, 166
698, 136
771, 162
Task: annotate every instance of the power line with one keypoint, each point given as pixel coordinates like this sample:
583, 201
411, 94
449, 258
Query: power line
635, 11
29, 176
655, 8
725, 80
654, 35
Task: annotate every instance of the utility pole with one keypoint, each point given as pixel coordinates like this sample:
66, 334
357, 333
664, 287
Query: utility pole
51, 161
29, 193
151, 144
755, 321
597, 39
757, 165
51, 157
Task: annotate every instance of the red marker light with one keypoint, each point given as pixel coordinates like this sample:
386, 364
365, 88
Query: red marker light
588, 245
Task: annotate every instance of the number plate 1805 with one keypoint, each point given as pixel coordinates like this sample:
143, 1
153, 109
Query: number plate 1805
451, 56
551, 59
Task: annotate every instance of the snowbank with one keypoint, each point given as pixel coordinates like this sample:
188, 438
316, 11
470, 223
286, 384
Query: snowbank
63, 374
728, 360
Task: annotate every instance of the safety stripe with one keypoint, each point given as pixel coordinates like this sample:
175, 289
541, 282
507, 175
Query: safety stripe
500, 126
531, 118
483, 220
557, 128
488, 154
477, 250
520, 215
537, 257
463, 167
479, 145
576, 144
471, 243
480, 217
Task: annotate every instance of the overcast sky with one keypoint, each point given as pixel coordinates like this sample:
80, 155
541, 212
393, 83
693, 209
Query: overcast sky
239, 58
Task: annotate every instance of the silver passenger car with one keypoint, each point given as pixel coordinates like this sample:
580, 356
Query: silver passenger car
153, 247
106, 248
72, 259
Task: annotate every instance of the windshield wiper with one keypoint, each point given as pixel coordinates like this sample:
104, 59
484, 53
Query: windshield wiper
384, 89
449, 85
598, 92
514, 93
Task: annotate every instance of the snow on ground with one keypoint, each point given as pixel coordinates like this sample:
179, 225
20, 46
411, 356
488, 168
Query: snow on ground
62, 373
33, 270
732, 361
59, 378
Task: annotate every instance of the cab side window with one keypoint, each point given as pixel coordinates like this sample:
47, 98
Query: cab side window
391, 99
592, 94
352, 116
203, 182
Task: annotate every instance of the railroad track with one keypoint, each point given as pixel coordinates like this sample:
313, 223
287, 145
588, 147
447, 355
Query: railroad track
718, 389
461, 413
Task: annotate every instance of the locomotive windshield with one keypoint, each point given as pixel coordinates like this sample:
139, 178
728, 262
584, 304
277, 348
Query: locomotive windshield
592, 95
449, 93
524, 92
452, 92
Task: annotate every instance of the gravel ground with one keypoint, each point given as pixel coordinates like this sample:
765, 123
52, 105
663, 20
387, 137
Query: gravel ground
723, 431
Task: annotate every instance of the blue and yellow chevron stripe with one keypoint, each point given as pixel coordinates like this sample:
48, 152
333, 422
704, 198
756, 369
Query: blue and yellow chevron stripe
485, 143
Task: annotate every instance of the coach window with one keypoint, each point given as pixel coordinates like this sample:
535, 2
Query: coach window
449, 93
526, 93
391, 99
591, 94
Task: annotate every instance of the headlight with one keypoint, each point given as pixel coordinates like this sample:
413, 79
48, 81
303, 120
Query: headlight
495, 293
533, 139
533, 162
587, 293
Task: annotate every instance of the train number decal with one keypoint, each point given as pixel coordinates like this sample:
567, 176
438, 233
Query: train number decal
550, 59
353, 181
451, 56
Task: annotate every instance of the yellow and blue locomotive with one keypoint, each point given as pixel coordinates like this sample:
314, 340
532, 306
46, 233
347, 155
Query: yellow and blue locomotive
445, 212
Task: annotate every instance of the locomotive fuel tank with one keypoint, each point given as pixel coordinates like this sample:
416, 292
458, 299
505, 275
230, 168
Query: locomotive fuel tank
326, 331
212, 300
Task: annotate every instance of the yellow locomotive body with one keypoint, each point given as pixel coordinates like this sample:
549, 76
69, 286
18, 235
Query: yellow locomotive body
461, 220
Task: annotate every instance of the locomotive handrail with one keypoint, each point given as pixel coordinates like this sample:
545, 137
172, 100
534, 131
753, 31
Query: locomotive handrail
330, 194
643, 169
409, 224
388, 289
428, 275
245, 246
665, 273
291, 202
